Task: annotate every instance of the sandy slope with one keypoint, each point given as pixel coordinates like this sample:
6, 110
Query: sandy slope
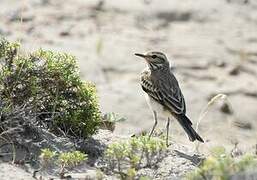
174, 163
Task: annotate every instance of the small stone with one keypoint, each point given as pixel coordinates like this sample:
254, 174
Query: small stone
243, 125
226, 109
221, 64
235, 152
235, 71
64, 33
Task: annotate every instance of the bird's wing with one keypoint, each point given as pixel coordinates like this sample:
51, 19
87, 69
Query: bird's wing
166, 93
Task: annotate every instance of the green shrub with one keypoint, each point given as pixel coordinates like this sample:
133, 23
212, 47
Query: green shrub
47, 156
49, 83
126, 157
71, 159
220, 165
64, 160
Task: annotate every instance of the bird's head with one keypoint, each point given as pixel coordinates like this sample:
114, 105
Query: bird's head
155, 60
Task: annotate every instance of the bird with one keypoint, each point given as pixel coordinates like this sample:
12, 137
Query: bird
163, 94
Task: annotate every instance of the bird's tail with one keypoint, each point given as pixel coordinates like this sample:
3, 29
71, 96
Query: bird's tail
187, 126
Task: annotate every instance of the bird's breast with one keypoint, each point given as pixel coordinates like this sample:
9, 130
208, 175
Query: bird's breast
155, 106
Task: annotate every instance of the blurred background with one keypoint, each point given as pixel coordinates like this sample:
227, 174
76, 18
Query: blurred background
211, 44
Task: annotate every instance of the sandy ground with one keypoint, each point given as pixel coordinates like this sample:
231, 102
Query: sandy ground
14, 172
212, 44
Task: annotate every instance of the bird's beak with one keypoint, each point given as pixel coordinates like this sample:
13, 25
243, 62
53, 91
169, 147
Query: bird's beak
140, 55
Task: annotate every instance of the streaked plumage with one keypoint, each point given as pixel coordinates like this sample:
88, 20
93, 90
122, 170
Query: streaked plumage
162, 88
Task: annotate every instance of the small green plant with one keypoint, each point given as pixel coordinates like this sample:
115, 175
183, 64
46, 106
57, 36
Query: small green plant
220, 165
126, 157
113, 117
49, 83
47, 156
117, 152
70, 160
109, 120
65, 160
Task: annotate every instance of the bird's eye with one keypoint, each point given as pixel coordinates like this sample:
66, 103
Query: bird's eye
154, 56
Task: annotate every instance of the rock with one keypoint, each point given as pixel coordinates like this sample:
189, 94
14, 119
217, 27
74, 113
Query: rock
174, 16
49, 140
239, 1
64, 33
243, 125
221, 64
235, 71
225, 108
99, 6
235, 152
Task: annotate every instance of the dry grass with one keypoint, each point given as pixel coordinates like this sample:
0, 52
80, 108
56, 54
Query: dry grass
206, 109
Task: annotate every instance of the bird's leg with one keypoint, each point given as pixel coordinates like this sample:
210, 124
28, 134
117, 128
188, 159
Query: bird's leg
167, 135
155, 123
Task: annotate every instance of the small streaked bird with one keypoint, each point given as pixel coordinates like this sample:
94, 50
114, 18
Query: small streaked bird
163, 94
